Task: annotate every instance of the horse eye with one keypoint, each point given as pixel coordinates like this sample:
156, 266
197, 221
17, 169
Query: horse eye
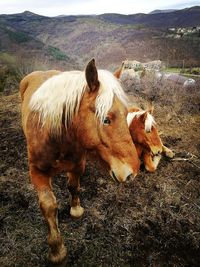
106, 121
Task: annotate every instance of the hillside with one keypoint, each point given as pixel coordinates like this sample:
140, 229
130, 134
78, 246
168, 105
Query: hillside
18, 42
110, 38
21, 52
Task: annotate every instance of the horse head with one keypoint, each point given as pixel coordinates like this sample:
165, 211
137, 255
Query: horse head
143, 130
101, 123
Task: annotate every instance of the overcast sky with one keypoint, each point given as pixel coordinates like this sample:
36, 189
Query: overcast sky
77, 7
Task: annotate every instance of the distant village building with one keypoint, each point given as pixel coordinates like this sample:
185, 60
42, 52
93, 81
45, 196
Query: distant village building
180, 32
172, 29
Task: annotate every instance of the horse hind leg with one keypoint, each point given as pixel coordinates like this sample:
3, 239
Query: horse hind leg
48, 206
74, 188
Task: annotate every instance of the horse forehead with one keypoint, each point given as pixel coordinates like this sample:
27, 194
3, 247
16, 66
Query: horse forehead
118, 106
154, 133
134, 116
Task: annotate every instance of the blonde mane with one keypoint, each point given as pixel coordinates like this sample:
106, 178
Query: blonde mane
149, 122
63, 93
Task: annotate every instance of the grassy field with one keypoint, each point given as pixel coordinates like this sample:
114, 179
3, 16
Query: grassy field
188, 72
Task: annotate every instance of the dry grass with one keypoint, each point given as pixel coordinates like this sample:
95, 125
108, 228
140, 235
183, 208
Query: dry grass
152, 221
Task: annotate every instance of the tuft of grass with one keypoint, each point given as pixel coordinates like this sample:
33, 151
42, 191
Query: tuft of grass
173, 70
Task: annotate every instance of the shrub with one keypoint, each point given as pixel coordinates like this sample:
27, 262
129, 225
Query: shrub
195, 71
18, 37
56, 53
166, 94
6, 58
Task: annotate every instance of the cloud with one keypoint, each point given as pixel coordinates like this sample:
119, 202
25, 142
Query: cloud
183, 4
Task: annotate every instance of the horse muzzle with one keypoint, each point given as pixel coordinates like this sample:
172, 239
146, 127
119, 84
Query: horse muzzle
122, 174
156, 151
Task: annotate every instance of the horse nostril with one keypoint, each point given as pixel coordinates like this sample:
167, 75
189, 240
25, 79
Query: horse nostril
128, 178
114, 176
156, 154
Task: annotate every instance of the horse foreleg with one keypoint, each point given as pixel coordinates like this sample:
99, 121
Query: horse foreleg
48, 206
151, 163
168, 152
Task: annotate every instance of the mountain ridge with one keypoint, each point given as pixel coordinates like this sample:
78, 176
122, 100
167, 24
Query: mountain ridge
162, 11
156, 18
110, 38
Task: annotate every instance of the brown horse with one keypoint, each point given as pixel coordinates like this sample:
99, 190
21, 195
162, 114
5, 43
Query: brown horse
64, 115
145, 136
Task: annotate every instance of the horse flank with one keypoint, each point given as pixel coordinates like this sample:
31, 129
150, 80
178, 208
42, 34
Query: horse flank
63, 93
149, 122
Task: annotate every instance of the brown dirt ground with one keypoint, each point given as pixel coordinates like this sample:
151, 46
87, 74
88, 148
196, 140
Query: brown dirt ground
151, 221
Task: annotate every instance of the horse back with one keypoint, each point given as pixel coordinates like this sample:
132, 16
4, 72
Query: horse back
33, 81
28, 85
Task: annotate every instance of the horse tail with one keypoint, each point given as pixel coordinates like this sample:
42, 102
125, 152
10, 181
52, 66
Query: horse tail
23, 86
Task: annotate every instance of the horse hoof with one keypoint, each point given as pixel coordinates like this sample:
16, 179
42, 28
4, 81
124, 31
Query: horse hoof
59, 257
77, 211
150, 169
170, 154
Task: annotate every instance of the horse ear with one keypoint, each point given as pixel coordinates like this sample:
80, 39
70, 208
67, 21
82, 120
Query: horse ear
118, 72
151, 109
143, 116
91, 75
133, 109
